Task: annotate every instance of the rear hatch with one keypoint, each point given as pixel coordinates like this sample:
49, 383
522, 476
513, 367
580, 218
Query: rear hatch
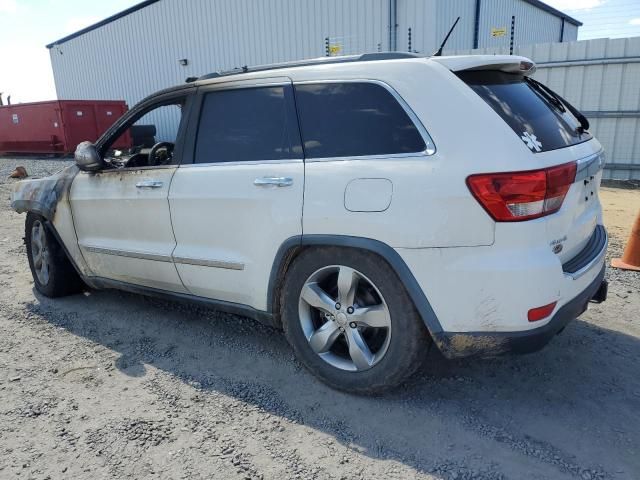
564, 194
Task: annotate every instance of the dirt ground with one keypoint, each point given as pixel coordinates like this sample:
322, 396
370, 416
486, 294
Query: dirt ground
113, 385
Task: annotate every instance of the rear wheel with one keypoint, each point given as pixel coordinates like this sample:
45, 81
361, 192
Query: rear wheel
53, 274
350, 321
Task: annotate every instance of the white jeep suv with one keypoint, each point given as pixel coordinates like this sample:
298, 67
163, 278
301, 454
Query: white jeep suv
367, 205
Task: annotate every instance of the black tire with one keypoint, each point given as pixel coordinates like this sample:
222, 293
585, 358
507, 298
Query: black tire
409, 340
62, 279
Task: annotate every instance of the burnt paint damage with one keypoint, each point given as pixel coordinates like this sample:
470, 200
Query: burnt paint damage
42, 195
491, 344
459, 345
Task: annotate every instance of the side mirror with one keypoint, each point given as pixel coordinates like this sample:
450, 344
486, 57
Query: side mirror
87, 157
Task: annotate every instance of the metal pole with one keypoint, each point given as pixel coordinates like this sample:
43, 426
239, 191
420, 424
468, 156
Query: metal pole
393, 25
513, 31
476, 25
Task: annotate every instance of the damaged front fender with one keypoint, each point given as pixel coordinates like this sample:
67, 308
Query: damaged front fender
42, 195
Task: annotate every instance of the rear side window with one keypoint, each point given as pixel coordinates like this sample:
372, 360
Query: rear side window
248, 124
352, 120
533, 116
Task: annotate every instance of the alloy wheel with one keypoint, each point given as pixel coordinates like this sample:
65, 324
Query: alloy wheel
344, 318
40, 252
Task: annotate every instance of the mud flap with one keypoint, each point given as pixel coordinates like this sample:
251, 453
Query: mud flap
601, 295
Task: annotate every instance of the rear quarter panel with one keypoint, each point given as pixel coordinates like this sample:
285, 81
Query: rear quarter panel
431, 205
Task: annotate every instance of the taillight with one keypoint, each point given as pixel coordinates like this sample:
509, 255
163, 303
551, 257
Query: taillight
518, 196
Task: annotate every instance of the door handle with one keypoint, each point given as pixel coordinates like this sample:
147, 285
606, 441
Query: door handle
149, 184
273, 182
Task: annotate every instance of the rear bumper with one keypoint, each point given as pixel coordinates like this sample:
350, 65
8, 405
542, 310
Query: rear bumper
488, 344
592, 254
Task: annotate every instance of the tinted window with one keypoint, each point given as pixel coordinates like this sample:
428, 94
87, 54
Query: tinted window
354, 119
248, 124
531, 114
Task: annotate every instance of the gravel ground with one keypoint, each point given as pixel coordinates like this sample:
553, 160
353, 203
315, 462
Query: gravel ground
112, 385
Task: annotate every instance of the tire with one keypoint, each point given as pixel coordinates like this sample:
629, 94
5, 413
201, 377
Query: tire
61, 278
396, 344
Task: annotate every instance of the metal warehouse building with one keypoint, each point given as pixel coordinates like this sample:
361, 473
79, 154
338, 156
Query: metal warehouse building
159, 43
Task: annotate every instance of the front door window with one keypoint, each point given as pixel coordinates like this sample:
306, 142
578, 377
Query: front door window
149, 141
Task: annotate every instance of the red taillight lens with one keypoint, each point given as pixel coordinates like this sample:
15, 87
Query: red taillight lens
559, 180
539, 313
518, 196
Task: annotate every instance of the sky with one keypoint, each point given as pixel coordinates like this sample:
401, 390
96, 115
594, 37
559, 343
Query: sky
26, 26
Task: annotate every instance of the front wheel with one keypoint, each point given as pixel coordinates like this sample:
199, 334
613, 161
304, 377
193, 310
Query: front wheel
350, 321
53, 274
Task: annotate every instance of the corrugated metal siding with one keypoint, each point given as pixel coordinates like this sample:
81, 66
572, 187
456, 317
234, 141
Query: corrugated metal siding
570, 32
138, 54
447, 12
430, 21
419, 16
532, 25
609, 93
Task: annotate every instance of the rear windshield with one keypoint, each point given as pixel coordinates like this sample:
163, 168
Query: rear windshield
532, 114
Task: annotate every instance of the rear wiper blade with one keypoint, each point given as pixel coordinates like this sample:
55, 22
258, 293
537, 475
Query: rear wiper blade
560, 103
550, 95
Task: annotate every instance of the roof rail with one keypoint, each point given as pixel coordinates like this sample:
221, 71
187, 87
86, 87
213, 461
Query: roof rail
365, 57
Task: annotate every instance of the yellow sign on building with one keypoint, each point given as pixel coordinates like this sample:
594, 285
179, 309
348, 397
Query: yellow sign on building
335, 49
498, 32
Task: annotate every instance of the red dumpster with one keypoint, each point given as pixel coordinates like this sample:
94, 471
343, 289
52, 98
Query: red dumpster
57, 126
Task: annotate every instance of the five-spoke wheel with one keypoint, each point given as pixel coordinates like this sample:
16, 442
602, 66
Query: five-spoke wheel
350, 320
344, 318
53, 274
40, 252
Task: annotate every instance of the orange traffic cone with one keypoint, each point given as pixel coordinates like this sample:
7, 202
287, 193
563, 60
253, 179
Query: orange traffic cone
631, 257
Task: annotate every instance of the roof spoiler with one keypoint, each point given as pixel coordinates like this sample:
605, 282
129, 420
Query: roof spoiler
503, 63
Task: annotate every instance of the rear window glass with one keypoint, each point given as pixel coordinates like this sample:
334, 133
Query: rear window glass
352, 120
541, 125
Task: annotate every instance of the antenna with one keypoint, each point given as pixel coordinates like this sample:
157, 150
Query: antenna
439, 52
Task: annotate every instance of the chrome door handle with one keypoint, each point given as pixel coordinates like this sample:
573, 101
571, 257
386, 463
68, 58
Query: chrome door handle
149, 184
273, 182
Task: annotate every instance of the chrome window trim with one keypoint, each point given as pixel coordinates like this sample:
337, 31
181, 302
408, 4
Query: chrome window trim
240, 162
248, 83
209, 263
134, 169
416, 155
426, 138
590, 166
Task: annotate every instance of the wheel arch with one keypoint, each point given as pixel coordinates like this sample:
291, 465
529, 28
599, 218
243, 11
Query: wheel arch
42, 195
293, 246
48, 224
32, 207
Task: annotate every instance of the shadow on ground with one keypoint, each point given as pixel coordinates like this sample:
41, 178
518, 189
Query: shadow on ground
558, 410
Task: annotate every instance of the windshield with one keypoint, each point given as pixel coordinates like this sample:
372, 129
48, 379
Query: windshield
539, 118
